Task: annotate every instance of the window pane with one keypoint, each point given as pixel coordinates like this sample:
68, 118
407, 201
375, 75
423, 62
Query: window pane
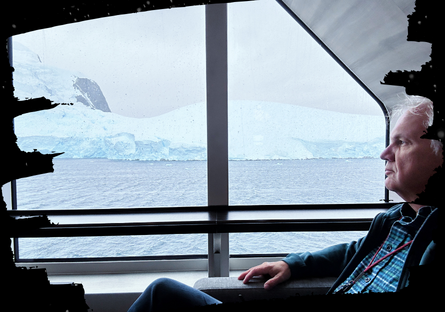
136, 134
288, 242
301, 130
113, 246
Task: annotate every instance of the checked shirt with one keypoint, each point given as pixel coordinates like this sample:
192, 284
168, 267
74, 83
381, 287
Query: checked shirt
384, 277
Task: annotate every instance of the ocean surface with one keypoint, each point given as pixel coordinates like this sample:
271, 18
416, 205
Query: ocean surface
103, 183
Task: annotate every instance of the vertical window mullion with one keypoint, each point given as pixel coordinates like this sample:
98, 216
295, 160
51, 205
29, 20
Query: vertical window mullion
10, 189
217, 130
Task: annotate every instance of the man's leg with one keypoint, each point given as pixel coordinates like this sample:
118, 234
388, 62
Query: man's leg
166, 293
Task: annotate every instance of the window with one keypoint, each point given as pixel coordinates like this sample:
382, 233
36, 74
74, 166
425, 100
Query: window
301, 131
136, 134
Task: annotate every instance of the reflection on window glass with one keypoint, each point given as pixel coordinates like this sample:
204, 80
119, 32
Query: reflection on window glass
300, 129
135, 134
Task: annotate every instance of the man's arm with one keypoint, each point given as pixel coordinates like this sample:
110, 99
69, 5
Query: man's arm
330, 261
326, 262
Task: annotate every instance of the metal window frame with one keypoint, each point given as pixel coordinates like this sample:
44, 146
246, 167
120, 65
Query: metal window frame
217, 130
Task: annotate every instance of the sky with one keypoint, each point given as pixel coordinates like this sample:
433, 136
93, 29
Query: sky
150, 63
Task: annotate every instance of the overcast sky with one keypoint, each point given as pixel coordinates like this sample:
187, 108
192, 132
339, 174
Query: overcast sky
152, 62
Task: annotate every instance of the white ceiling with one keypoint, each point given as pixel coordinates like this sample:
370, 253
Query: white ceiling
369, 37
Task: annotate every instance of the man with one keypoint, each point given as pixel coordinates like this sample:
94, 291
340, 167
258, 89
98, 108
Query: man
398, 239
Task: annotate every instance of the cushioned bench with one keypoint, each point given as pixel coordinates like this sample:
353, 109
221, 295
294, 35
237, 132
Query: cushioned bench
230, 289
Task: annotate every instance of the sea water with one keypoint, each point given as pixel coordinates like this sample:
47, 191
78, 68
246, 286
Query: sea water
103, 183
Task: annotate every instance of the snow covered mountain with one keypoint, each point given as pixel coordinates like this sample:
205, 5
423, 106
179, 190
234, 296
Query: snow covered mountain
257, 130
33, 79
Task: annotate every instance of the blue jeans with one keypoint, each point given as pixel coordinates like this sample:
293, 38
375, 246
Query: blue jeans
165, 294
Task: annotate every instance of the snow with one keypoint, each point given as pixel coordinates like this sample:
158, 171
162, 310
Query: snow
257, 130
35, 79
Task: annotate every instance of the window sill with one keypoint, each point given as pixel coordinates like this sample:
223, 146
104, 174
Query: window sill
124, 282
117, 292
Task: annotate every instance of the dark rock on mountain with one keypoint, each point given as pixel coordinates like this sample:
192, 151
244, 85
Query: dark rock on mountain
91, 94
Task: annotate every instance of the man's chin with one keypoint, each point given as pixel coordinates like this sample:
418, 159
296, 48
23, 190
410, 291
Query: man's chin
389, 184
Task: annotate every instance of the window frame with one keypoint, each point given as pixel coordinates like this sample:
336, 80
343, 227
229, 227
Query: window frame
218, 261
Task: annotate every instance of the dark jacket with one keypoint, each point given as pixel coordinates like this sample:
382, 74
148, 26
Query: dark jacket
341, 260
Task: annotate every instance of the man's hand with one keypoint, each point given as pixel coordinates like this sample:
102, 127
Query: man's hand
279, 272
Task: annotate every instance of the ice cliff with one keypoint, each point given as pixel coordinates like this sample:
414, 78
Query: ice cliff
180, 135
257, 130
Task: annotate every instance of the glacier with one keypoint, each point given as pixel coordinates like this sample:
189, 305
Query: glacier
283, 131
257, 130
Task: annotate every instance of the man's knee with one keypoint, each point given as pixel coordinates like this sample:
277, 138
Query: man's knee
164, 285
154, 296
163, 289
165, 293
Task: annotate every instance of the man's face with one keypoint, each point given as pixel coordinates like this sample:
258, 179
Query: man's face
410, 159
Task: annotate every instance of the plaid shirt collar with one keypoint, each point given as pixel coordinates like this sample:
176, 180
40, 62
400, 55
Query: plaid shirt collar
411, 220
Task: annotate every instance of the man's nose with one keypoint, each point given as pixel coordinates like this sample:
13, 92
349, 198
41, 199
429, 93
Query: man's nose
387, 154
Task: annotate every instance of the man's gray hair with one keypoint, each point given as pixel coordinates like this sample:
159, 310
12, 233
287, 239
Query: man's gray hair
417, 105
